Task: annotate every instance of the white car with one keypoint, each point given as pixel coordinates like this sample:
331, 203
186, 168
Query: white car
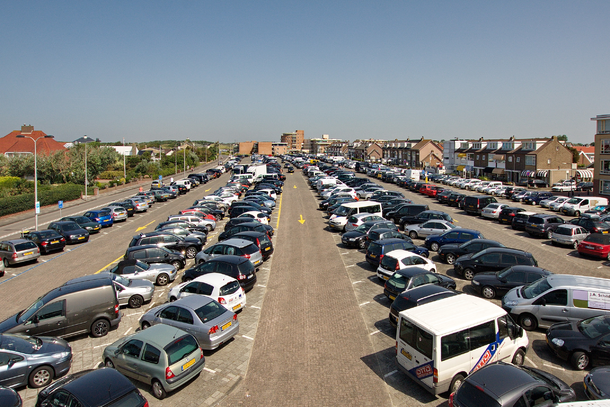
400, 260
492, 211
545, 203
358, 219
222, 288
257, 216
270, 192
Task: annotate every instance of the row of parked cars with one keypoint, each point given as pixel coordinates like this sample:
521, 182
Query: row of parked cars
495, 272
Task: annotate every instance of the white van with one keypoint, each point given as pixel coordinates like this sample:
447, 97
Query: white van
440, 343
558, 298
187, 183
581, 204
244, 176
339, 219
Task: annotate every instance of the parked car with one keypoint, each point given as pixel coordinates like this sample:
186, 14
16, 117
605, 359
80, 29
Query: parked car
424, 217
434, 242
492, 211
592, 224
583, 343
495, 284
404, 280
597, 383
557, 205
377, 250
208, 321
491, 259
584, 186
402, 260
385, 234
233, 247
356, 220
101, 216
240, 268
243, 227
220, 287
501, 384
358, 236
188, 246
508, 213
431, 227
132, 292
18, 251
47, 240
184, 233
260, 239
9, 397
71, 231
118, 213
164, 356
545, 203
416, 296
569, 235
450, 252
595, 245
534, 198
543, 225
84, 222
474, 204
158, 273
32, 360
521, 219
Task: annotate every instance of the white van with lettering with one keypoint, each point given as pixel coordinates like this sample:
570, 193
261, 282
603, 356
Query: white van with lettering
580, 204
339, 219
440, 343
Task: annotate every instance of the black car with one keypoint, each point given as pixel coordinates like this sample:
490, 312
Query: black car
182, 224
406, 211
48, 240
584, 186
597, 383
443, 197
543, 225
252, 206
491, 285
240, 268
376, 250
508, 213
473, 204
71, 231
183, 232
358, 236
521, 219
450, 252
417, 296
261, 239
592, 224
454, 198
84, 222
9, 397
406, 279
188, 246
502, 384
384, 234
492, 259
152, 254
581, 343
92, 388
326, 203
243, 227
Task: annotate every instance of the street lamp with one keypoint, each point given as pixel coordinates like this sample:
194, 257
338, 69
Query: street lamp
124, 167
185, 141
86, 169
36, 203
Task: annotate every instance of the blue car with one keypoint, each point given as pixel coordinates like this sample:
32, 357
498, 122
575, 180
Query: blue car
453, 236
103, 217
376, 250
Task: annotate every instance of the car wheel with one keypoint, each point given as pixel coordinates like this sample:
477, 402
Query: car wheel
5, 263
413, 234
163, 279
456, 383
577, 214
41, 377
158, 390
434, 247
528, 322
191, 252
108, 363
100, 328
362, 243
579, 360
488, 292
518, 358
172, 299
468, 274
177, 264
209, 228
450, 258
136, 301
575, 246
145, 325
549, 234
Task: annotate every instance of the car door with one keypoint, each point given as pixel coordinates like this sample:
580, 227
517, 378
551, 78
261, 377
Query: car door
487, 262
191, 288
50, 320
600, 352
186, 322
515, 279
552, 307
428, 228
156, 255
13, 369
127, 358
451, 237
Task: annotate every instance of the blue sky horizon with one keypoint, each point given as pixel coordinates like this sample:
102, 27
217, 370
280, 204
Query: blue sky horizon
238, 71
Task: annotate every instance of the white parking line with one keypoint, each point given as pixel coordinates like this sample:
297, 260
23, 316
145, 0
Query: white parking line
100, 346
254, 306
390, 374
356, 282
342, 254
247, 337
260, 285
531, 361
375, 332
364, 303
353, 265
554, 367
127, 331
209, 370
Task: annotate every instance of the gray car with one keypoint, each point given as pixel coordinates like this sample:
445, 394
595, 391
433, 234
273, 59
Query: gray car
33, 360
233, 246
431, 227
118, 213
569, 235
158, 273
207, 320
18, 251
132, 292
162, 356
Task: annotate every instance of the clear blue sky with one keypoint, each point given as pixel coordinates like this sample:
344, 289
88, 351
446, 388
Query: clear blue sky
251, 70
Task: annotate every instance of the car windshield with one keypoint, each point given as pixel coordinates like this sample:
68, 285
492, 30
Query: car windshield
503, 273
82, 219
121, 280
594, 327
70, 226
28, 312
142, 265
210, 311
388, 263
343, 211
574, 200
535, 289
20, 343
398, 281
598, 238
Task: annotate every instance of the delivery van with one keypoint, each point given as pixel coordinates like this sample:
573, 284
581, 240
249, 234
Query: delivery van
558, 298
579, 205
440, 343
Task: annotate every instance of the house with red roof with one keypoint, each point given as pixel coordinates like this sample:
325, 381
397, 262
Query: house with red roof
11, 145
586, 156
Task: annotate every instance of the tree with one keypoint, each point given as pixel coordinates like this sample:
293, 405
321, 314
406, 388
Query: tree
563, 137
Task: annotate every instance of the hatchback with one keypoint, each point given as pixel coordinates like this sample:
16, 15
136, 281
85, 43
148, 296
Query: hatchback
220, 287
71, 231
543, 225
84, 222
153, 255
159, 273
256, 216
188, 246
47, 240
9, 397
597, 383
358, 236
491, 285
208, 321
424, 217
592, 224
404, 280
434, 242
596, 245
450, 252
162, 356
32, 360
140, 205
569, 235
377, 250
118, 213
402, 260
127, 205
233, 246
132, 292
507, 214
356, 220
237, 267
431, 227
242, 227
492, 259
18, 251
101, 216
260, 239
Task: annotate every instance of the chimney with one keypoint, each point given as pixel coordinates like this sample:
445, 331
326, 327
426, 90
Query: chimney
27, 129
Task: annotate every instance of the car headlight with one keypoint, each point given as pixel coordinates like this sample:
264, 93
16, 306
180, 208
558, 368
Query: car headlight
557, 342
474, 282
60, 355
510, 303
73, 236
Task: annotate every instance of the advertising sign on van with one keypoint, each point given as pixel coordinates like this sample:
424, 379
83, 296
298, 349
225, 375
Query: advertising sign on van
591, 299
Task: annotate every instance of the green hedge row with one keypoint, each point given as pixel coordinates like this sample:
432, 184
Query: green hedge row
48, 195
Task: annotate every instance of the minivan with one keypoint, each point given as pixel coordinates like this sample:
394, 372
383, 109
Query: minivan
475, 203
557, 298
578, 205
81, 305
438, 347
339, 219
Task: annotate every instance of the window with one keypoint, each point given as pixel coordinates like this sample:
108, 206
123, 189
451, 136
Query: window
185, 316
518, 159
482, 335
206, 289
169, 313
132, 348
516, 277
502, 327
454, 345
510, 158
530, 160
477, 156
53, 310
557, 297
605, 147
5, 357
191, 288
605, 166
151, 354
509, 259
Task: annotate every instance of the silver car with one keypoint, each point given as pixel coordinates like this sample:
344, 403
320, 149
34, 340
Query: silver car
18, 251
119, 214
158, 273
140, 205
233, 246
207, 320
432, 227
569, 235
133, 293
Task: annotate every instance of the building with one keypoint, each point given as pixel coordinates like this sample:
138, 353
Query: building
586, 155
294, 141
601, 170
279, 148
264, 147
338, 148
413, 153
368, 151
126, 150
246, 147
11, 145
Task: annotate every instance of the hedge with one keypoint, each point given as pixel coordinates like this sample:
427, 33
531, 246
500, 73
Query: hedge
48, 195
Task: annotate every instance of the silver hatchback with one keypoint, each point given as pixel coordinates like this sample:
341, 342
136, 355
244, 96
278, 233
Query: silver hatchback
119, 214
158, 273
133, 293
569, 235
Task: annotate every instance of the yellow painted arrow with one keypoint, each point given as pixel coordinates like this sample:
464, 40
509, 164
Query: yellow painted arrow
295, 187
302, 220
207, 190
144, 227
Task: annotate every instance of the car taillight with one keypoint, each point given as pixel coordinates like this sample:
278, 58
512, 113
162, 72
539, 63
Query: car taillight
435, 376
222, 300
451, 399
116, 309
44, 243
168, 373
146, 404
511, 214
234, 317
62, 239
247, 256
241, 277
14, 256
397, 266
213, 330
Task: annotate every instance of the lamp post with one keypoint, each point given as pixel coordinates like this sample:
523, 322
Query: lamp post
124, 167
36, 203
185, 141
86, 170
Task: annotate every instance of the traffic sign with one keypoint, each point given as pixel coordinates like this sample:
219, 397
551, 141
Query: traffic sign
37, 206
60, 204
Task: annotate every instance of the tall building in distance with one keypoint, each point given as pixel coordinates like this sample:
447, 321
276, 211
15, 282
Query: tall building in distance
294, 141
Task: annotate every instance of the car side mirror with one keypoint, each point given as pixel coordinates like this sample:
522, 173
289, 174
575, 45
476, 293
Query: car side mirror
33, 320
166, 254
118, 352
540, 301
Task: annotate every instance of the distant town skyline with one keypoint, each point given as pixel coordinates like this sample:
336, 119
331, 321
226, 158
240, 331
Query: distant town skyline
240, 71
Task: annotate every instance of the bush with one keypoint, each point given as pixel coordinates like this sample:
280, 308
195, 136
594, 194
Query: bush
111, 175
47, 195
9, 182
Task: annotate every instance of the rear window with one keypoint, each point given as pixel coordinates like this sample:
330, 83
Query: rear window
564, 231
229, 288
374, 248
374, 235
389, 263
180, 348
25, 246
469, 395
133, 398
210, 311
597, 238
536, 220
246, 268
47, 235
251, 248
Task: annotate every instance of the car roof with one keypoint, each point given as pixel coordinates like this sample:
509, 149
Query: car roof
237, 242
501, 378
400, 254
476, 232
229, 258
215, 279
114, 384
17, 241
390, 241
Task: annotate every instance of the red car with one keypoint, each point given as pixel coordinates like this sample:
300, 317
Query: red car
596, 245
198, 213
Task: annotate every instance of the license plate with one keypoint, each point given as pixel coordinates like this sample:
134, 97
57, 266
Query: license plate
392, 297
373, 255
55, 241
188, 364
81, 237
227, 325
385, 277
267, 249
28, 253
250, 276
590, 247
238, 306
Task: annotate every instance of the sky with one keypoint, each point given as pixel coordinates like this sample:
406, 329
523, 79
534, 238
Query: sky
251, 70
